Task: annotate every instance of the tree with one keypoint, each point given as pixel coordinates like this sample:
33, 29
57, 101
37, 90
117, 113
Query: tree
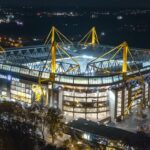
10, 111
7, 110
42, 118
33, 117
54, 121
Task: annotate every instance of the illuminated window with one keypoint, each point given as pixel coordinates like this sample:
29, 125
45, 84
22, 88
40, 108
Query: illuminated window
86, 136
15, 69
24, 71
34, 73
6, 67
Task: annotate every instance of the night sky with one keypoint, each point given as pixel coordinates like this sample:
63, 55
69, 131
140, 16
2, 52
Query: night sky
79, 3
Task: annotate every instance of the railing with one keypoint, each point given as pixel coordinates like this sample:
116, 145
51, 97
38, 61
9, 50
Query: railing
84, 80
70, 79
24, 71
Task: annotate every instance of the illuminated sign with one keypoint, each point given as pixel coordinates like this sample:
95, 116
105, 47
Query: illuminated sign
3, 76
8, 77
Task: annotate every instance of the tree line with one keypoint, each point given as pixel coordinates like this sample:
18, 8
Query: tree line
24, 122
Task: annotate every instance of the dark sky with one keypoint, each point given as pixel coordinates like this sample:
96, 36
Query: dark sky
79, 3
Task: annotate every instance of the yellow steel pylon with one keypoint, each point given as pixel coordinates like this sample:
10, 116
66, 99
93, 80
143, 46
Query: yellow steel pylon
90, 38
93, 31
125, 57
53, 35
53, 62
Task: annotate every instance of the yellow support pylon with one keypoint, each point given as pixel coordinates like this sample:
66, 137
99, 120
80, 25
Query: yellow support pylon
53, 62
53, 35
93, 36
90, 38
125, 58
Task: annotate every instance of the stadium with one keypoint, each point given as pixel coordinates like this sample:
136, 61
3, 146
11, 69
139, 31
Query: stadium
84, 79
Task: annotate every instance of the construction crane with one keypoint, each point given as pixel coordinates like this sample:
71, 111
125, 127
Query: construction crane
90, 38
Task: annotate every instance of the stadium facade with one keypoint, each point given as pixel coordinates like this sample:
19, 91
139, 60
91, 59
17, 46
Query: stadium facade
92, 81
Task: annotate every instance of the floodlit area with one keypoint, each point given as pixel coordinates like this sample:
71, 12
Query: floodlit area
85, 80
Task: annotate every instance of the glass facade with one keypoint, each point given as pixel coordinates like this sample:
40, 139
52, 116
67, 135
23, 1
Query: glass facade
86, 102
136, 96
119, 103
83, 96
88, 80
129, 100
21, 92
85, 93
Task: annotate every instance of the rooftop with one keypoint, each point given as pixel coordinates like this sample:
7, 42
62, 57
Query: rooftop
111, 133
